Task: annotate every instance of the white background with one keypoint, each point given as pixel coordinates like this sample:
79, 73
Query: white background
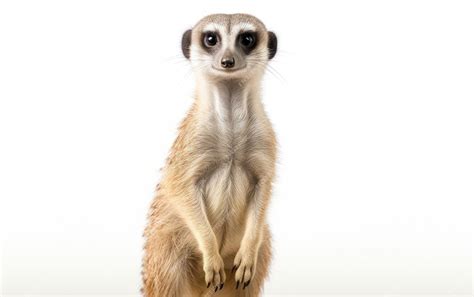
372, 102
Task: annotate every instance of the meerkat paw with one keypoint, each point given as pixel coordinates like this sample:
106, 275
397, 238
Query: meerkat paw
214, 272
244, 268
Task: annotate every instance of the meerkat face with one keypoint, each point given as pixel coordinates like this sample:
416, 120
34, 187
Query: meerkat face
223, 46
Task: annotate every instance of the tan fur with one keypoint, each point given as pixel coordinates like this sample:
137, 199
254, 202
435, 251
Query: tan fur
209, 213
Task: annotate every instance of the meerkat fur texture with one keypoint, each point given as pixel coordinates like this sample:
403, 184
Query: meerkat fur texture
207, 233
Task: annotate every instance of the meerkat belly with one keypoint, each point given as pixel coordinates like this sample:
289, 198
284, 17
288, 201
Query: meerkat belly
226, 201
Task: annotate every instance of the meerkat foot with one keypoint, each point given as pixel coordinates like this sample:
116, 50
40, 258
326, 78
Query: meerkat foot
214, 272
244, 268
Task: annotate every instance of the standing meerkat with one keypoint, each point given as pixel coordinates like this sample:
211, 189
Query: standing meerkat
207, 232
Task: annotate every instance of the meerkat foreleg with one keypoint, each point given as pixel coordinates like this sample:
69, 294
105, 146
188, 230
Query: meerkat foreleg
193, 212
246, 258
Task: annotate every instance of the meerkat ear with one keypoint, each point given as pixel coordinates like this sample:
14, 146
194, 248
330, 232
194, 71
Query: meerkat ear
186, 43
272, 45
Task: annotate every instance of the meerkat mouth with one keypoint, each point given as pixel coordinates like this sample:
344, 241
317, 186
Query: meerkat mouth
228, 70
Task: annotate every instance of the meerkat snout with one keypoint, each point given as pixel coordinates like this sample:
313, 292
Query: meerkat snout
229, 47
227, 62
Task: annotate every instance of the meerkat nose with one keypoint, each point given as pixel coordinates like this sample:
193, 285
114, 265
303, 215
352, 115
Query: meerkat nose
227, 62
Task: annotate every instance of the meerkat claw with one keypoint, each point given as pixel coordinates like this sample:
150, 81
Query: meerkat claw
246, 284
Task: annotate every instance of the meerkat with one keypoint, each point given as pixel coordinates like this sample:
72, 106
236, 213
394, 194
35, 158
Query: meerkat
207, 233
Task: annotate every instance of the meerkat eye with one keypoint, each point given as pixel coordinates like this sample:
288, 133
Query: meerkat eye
210, 39
247, 39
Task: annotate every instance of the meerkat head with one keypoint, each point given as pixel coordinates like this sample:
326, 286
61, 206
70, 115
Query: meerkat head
229, 46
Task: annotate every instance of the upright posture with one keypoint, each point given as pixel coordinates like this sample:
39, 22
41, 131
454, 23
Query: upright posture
207, 233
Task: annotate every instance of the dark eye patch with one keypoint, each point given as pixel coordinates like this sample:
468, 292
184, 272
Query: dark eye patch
210, 40
247, 41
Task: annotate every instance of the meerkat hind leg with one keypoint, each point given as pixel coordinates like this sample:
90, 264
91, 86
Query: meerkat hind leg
171, 271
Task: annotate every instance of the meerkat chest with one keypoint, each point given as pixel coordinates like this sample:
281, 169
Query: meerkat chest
231, 123
229, 183
227, 190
